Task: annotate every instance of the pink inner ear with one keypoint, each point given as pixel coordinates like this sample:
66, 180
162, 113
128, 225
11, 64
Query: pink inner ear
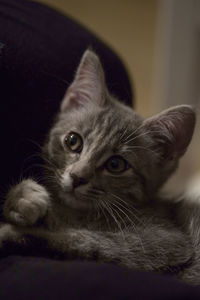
181, 127
74, 101
179, 139
79, 94
88, 85
173, 130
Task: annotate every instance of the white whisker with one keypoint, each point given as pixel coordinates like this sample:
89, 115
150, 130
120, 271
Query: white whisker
134, 132
127, 207
143, 148
131, 221
110, 211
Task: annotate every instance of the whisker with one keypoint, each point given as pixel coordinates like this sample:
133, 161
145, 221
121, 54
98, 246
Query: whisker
116, 203
132, 225
134, 132
48, 161
136, 137
143, 148
56, 77
110, 211
123, 134
104, 213
145, 133
129, 208
120, 217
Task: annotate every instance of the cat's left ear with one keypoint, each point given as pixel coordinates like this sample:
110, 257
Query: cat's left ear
172, 131
88, 85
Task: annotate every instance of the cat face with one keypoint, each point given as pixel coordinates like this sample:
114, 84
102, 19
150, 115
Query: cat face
93, 155
103, 153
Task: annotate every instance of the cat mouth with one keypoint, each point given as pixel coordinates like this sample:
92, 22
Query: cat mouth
76, 200
82, 200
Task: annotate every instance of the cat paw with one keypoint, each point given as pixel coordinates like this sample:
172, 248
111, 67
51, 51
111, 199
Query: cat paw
6, 231
11, 240
26, 203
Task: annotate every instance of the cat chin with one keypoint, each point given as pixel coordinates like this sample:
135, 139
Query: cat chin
75, 201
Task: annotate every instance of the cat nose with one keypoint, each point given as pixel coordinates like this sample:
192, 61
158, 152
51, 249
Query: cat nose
77, 181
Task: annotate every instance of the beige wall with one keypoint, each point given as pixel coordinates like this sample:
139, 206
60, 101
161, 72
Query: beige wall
129, 27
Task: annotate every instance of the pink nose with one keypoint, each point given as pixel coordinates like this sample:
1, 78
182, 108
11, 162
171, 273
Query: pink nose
77, 181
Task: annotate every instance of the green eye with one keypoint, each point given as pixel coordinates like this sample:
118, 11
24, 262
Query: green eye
116, 164
74, 142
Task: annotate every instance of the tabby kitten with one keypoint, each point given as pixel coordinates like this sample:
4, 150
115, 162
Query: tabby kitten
104, 166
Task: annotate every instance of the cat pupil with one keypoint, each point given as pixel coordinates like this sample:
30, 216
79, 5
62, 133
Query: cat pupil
74, 142
115, 163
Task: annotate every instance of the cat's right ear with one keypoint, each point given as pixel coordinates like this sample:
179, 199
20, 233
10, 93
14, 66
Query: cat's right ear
88, 85
172, 131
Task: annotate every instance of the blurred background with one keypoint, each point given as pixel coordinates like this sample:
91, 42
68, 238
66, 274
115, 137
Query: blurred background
159, 42
129, 27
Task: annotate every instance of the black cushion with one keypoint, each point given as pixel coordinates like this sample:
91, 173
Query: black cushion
39, 278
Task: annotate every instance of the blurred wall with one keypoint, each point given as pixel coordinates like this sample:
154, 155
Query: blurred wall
128, 26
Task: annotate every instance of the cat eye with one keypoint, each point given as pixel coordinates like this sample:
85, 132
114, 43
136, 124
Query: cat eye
74, 142
116, 164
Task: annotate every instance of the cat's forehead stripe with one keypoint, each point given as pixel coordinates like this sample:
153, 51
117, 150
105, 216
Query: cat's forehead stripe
105, 136
103, 133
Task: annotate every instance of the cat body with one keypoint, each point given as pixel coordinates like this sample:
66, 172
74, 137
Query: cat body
104, 166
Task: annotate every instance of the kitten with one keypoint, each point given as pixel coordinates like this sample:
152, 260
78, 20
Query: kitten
104, 166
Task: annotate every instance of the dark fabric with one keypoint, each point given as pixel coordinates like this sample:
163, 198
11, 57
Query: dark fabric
40, 51
36, 278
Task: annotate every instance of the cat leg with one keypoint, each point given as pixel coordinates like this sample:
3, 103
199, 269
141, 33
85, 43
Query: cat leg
188, 216
26, 203
15, 240
166, 251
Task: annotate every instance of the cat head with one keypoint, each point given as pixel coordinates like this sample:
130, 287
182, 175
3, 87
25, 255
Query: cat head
102, 152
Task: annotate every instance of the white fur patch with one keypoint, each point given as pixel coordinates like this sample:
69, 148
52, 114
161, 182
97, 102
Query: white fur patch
193, 189
67, 181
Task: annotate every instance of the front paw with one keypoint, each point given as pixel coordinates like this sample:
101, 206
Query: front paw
8, 235
26, 203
